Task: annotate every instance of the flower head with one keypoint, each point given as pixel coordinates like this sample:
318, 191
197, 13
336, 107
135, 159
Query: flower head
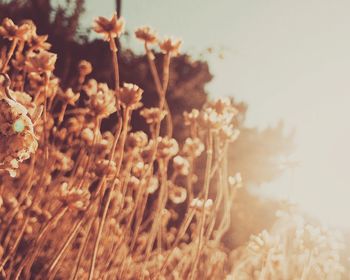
170, 46
130, 95
11, 31
177, 194
153, 115
146, 34
18, 141
109, 28
41, 62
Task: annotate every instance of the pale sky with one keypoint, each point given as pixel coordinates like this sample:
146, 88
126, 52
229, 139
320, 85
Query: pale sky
288, 60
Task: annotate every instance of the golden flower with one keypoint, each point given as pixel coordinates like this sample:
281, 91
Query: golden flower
228, 133
87, 135
74, 198
177, 194
11, 31
191, 117
62, 161
130, 95
18, 141
170, 46
85, 67
181, 165
167, 147
41, 62
133, 183
109, 28
153, 185
236, 180
138, 168
136, 139
153, 115
101, 99
106, 167
193, 147
146, 34
199, 203
38, 42
210, 119
70, 97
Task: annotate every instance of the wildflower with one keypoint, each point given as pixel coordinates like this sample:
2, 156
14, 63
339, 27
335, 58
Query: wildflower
228, 133
110, 29
153, 115
193, 147
153, 185
210, 119
75, 199
87, 135
167, 147
236, 180
133, 183
138, 168
70, 97
17, 134
130, 95
41, 62
181, 165
38, 42
177, 194
170, 46
62, 160
199, 203
106, 167
191, 117
102, 100
136, 140
146, 34
11, 31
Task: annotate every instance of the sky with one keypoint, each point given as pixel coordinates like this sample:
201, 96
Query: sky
289, 60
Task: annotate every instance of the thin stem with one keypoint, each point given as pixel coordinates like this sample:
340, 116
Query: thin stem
9, 55
206, 195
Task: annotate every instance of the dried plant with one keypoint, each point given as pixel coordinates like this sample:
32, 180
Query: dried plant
79, 202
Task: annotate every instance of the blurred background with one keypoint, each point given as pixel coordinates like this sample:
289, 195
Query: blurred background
285, 63
289, 61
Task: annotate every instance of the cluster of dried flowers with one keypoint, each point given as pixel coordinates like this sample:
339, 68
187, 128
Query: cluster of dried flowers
77, 202
293, 249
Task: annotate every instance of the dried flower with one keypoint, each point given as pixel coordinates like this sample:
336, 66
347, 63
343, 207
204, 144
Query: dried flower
70, 97
41, 62
177, 194
17, 134
146, 34
193, 147
75, 199
181, 165
198, 204
109, 28
153, 115
11, 31
130, 96
167, 147
85, 67
153, 185
236, 180
101, 99
170, 46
